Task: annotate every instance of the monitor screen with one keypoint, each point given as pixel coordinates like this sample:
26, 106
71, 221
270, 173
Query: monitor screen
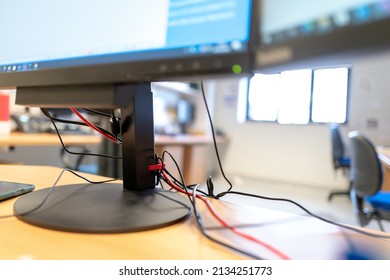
304, 33
95, 41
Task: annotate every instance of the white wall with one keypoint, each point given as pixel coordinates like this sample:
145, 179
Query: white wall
302, 154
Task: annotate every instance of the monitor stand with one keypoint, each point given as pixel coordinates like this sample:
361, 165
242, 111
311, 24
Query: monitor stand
136, 204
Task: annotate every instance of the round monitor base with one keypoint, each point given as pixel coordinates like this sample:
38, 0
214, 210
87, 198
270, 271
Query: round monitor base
101, 208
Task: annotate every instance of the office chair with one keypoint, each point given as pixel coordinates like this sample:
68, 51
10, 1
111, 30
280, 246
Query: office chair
340, 161
368, 201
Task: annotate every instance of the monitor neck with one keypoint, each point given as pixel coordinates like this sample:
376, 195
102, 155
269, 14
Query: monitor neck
137, 126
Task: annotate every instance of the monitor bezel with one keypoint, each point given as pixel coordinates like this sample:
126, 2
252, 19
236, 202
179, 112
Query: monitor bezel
169, 67
191, 68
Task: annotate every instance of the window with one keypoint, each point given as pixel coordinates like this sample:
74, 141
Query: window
299, 96
330, 93
294, 102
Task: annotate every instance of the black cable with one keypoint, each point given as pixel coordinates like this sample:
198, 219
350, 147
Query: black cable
214, 138
308, 212
47, 114
114, 123
54, 185
97, 112
179, 170
199, 218
71, 152
205, 233
211, 188
175, 181
90, 181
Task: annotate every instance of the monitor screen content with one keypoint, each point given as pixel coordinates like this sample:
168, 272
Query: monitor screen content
96, 41
304, 33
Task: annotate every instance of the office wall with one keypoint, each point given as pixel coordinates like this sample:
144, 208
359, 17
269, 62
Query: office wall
302, 153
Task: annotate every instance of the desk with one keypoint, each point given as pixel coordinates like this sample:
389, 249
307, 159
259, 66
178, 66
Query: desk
384, 156
190, 151
46, 139
298, 236
18, 139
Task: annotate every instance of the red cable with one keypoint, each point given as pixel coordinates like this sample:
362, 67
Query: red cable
225, 224
209, 206
91, 125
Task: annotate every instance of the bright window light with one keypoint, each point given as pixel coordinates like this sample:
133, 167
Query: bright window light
264, 97
330, 92
294, 104
299, 96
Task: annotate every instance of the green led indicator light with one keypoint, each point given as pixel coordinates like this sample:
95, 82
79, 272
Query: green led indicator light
237, 69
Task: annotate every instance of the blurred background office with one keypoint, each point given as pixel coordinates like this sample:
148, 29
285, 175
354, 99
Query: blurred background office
294, 153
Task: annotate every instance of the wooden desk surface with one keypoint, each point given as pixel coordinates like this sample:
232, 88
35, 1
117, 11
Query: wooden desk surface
384, 156
186, 140
189, 150
297, 236
47, 139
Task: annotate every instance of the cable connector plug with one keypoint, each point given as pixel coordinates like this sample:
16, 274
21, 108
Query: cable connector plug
115, 126
210, 186
157, 167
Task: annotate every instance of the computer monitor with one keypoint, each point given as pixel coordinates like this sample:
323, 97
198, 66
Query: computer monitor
95, 42
105, 54
307, 34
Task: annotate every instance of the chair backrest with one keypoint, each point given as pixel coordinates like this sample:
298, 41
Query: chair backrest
337, 142
366, 169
